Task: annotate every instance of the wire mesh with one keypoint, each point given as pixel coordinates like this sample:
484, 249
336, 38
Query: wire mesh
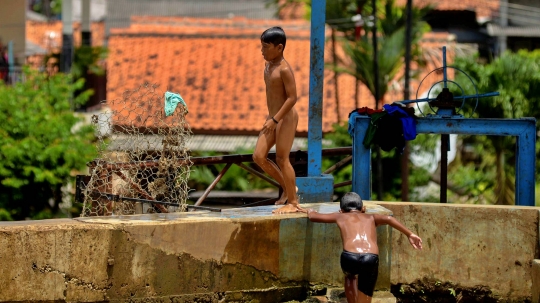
142, 154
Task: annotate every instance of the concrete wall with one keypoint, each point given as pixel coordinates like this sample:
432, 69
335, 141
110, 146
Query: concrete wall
469, 245
12, 26
236, 255
250, 254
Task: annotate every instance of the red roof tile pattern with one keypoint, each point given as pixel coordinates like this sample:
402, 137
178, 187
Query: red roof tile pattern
217, 67
483, 8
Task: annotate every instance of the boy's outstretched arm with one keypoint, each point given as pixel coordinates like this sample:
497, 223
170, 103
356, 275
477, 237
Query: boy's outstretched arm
317, 217
414, 239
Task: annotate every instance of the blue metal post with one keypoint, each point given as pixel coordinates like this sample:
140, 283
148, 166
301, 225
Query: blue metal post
523, 129
316, 79
316, 187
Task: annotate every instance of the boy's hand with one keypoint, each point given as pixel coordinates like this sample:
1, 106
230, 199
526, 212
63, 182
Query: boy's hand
269, 126
415, 241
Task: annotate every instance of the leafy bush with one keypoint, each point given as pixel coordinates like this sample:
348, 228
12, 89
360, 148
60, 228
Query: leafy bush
42, 142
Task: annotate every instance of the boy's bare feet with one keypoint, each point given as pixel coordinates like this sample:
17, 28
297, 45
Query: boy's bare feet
289, 208
283, 199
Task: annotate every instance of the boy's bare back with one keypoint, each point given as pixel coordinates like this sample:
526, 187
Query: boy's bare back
358, 232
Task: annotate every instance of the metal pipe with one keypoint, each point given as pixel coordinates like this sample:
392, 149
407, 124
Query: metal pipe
445, 144
215, 159
140, 190
116, 198
338, 165
262, 202
341, 184
86, 33
207, 191
258, 174
492, 94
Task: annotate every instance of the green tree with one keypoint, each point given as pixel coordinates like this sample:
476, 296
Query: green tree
516, 76
43, 143
391, 49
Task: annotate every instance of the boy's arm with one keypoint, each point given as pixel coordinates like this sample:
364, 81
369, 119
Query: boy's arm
321, 218
414, 239
290, 89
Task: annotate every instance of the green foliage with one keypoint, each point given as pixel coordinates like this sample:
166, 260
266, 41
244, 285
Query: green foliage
42, 142
48, 7
516, 76
390, 50
86, 59
5, 215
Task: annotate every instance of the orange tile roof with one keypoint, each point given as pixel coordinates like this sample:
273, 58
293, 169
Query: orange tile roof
483, 8
217, 67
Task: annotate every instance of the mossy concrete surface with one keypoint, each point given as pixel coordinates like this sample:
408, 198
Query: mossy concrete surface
238, 255
471, 246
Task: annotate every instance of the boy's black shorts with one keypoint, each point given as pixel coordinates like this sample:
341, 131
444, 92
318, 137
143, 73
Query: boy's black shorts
365, 265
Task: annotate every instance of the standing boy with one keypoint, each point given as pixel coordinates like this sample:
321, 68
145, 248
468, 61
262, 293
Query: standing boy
280, 125
360, 256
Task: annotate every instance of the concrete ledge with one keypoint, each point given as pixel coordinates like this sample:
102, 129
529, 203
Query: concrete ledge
468, 245
239, 255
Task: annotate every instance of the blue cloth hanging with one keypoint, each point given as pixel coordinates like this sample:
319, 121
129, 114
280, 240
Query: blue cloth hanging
171, 101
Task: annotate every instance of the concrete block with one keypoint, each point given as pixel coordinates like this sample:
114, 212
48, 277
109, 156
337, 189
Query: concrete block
237, 255
535, 281
454, 237
315, 189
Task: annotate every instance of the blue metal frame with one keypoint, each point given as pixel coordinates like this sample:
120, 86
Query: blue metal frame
316, 80
316, 187
523, 129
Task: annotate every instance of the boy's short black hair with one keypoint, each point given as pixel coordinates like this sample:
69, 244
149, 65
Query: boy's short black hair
351, 201
274, 35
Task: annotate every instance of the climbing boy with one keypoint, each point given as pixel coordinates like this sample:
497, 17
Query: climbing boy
360, 256
280, 126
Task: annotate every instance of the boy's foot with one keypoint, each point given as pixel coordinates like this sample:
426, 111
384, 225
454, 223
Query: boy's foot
283, 199
289, 208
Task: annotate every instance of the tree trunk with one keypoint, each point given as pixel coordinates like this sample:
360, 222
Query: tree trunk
503, 186
379, 174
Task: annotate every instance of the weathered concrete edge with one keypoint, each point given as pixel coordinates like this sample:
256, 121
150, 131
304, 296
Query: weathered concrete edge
411, 213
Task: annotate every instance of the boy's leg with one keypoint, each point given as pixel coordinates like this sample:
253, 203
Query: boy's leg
260, 157
351, 288
363, 298
352, 292
285, 133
